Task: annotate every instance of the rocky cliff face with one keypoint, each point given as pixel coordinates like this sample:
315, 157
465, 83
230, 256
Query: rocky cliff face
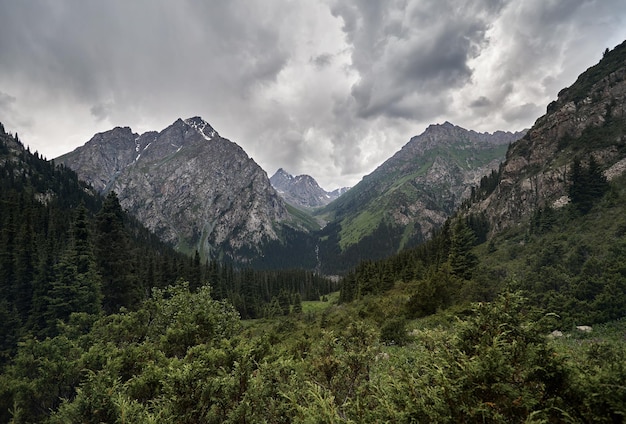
302, 191
588, 118
189, 185
423, 183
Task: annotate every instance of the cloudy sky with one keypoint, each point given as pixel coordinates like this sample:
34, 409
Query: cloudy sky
329, 88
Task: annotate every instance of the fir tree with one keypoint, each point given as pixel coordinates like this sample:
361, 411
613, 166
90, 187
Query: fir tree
587, 185
114, 257
77, 284
462, 259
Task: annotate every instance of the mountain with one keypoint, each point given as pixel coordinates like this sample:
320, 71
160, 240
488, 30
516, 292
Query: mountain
586, 123
64, 248
192, 187
411, 194
555, 215
302, 191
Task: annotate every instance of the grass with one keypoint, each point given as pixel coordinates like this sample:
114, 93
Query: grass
303, 217
360, 226
315, 306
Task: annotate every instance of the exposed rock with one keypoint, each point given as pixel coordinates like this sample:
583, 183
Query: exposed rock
422, 184
535, 173
189, 185
556, 334
302, 191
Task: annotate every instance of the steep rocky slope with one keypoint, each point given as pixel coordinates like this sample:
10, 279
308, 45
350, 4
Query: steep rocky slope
412, 193
587, 119
302, 191
189, 185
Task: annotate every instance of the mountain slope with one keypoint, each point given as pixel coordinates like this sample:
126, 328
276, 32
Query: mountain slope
412, 193
190, 186
302, 191
587, 120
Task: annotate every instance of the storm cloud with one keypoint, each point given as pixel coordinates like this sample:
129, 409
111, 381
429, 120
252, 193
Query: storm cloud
328, 88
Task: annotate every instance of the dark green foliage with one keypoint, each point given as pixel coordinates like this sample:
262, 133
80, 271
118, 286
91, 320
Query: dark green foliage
48, 266
543, 220
487, 185
182, 358
382, 242
462, 259
451, 246
119, 282
434, 292
76, 285
587, 185
393, 332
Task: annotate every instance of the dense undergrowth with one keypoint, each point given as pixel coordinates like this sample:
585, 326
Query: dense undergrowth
448, 332
186, 358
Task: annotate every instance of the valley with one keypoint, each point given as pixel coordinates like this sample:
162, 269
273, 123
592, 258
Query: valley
472, 277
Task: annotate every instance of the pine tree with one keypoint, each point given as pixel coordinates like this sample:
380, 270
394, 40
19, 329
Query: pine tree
114, 257
77, 284
297, 303
587, 185
462, 259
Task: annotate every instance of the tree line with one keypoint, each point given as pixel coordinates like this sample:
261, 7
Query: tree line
64, 249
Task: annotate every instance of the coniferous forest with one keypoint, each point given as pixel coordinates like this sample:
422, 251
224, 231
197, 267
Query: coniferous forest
101, 322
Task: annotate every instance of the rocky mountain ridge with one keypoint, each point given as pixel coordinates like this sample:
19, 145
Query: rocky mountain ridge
302, 191
413, 192
189, 185
587, 119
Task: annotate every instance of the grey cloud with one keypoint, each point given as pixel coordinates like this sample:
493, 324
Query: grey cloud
422, 50
6, 100
333, 85
523, 113
101, 111
481, 102
92, 48
322, 60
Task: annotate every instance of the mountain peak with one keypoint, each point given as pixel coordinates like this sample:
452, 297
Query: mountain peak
203, 127
447, 125
283, 172
301, 191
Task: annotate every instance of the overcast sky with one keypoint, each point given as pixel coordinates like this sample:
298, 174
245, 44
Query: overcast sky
328, 88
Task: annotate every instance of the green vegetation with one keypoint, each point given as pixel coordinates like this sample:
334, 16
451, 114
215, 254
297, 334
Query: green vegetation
580, 90
186, 358
65, 250
365, 219
99, 322
303, 218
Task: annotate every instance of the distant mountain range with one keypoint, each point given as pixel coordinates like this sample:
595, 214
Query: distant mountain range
303, 191
411, 194
202, 192
192, 187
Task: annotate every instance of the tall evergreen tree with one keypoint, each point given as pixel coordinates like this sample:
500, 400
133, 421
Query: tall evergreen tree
462, 259
77, 284
114, 257
587, 185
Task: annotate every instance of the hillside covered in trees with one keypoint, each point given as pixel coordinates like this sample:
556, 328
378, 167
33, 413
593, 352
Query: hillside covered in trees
404, 341
64, 249
527, 324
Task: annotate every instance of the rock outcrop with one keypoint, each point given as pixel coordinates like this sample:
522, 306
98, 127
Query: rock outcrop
302, 191
189, 185
588, 118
